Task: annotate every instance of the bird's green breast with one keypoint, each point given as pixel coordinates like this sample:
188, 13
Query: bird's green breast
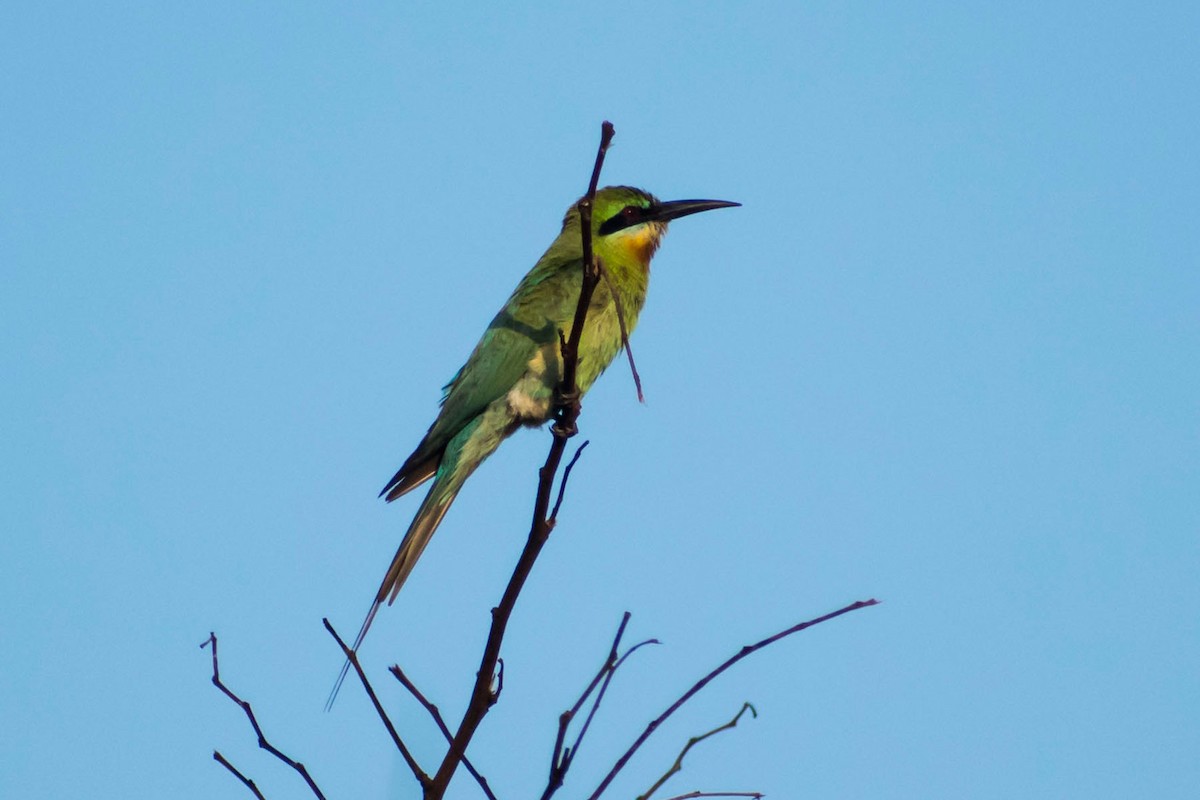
518, 362
531, 397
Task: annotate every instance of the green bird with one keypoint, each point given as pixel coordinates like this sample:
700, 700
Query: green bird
511, 376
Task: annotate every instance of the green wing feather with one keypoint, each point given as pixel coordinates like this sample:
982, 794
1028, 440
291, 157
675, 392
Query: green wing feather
529, 321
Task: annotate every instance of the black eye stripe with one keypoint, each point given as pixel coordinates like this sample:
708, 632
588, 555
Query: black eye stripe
625, 218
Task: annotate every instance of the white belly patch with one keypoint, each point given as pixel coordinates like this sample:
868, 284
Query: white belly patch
527, 409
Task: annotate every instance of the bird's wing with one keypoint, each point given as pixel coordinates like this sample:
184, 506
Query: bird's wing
529, 321
498, 362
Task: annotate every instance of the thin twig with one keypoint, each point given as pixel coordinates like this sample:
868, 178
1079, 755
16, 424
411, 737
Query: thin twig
569, 392
562, 757
352, 657
407, 683
567, 410
692, 742
562, 485
690, 795
606, 136
700, 684
245, 706
224, 762
603, 689
637, 379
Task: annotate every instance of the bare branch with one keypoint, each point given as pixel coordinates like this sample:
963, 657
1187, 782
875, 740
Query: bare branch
562, 757
566, 413
562, 485
220, 759
700, 684
569, 400
352, 658
262, 739
441, 723
690, 795
692, 742
603, 689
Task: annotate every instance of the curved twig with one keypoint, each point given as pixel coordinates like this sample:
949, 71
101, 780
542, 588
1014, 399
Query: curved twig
604, 688
562, 485
262, 739
700, 684
562, 757
637, 379
692, 742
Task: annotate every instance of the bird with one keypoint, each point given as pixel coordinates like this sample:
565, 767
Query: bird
511, 376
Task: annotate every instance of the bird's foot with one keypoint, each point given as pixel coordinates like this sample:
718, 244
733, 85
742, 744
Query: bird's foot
564, 399
567, 405
561, 428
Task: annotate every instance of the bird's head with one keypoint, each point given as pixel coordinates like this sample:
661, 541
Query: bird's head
630, 222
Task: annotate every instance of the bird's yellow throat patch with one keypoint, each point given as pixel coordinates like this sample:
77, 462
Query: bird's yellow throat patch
642, 241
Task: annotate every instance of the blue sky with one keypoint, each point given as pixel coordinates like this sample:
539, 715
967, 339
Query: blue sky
945, 355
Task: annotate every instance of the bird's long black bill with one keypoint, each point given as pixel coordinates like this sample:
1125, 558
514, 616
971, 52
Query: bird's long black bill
674, 209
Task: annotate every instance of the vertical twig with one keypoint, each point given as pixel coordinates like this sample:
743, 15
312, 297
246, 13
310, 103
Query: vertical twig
567, 410
637, 379
562, 757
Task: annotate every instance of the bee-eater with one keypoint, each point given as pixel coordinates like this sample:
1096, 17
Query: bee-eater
511, 376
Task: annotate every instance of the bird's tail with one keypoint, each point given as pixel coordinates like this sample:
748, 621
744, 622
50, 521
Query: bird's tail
428, 517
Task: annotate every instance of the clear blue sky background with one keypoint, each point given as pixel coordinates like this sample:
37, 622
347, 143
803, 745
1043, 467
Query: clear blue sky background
946, 355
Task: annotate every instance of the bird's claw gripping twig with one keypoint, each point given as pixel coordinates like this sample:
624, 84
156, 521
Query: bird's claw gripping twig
563, 429
564, 423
